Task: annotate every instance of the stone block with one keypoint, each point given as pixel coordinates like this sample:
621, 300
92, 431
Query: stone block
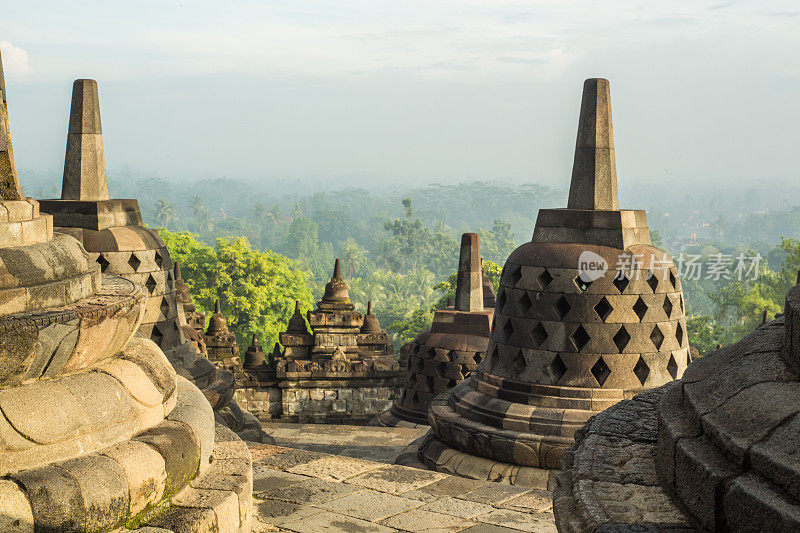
145, 472
194, 410
178, 445
16, 515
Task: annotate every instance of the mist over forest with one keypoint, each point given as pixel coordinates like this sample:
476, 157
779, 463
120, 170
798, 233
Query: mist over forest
398, 241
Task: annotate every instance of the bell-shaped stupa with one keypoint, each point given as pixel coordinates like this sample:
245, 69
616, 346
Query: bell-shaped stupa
445, 355
97, 431
588, 313
111, 230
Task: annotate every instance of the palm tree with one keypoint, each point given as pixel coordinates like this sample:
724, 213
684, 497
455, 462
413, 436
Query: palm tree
275, 215
260, 212
353, 256
196, 205
165, 212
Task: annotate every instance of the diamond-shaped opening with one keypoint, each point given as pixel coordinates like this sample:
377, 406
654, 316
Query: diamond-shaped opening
170, 280
494, 358
679, 334
539, 334
621, 281
452, 383
641, 370
500, 302
477, 358
156, 336
562, 307
657, 337
681, 300
600, 371
557, 369
150, 283
582, 285
672, 367
134, 262
525, 303
421, 364
441, 369
580, 338
652, 280
544, 278
621, 338
164, 306
640, 308
508, 329
103, 262
519, 362
668, 306
672, 280
159, 259
603, 308
516, 275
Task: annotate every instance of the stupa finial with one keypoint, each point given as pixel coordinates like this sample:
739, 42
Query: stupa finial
217, 307
594, 170
337, 270
9, 179
469, 281
85, 161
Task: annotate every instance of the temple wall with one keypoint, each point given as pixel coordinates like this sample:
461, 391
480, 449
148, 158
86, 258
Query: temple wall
329, 404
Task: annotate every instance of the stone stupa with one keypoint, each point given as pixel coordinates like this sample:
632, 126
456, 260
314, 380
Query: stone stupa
111, 230
445, 355
97, 431
342, 371
588, 313
715, 451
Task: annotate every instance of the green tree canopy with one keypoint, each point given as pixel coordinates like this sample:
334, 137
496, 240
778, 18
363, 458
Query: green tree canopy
257, 290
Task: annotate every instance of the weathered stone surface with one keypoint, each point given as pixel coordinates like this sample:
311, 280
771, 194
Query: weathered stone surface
725, 450
364, 503
85, 164
16, 515
588, 314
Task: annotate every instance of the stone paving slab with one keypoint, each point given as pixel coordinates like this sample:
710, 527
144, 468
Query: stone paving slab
306, 491
378, 444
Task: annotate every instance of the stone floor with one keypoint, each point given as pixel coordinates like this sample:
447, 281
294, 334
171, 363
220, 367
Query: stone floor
307, 491
363, 442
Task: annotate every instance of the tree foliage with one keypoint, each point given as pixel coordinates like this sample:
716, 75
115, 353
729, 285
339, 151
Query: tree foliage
257, 290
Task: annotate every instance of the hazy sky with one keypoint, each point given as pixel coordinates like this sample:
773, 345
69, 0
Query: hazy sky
410, 90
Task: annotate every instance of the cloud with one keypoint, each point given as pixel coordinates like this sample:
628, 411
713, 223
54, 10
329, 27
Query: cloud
15, 62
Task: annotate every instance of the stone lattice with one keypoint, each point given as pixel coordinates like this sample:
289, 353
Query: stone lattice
98, 432
566, 342
445, 355
714, 451
111, 230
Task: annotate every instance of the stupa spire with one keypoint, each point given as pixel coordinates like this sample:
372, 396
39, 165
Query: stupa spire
469, 281
337, 270
217, 307
2, 83
594, 170
9, 179
85, 162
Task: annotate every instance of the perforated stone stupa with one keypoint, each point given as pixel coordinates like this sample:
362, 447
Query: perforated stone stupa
111, 230
715, 451
588, 313
342, 371
445, 355
97, 431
